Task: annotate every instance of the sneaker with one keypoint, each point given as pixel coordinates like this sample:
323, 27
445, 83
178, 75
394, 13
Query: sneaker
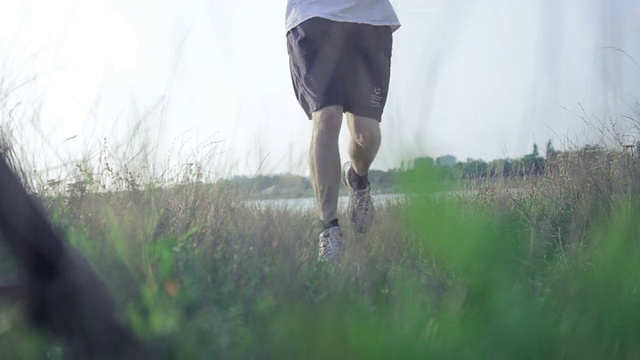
360, 210
330, 244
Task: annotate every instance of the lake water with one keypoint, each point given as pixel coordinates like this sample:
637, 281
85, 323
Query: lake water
304, 204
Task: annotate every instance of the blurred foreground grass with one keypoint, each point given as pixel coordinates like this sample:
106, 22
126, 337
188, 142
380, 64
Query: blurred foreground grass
548, 270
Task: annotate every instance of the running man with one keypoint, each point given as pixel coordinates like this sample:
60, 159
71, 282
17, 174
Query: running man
340, 62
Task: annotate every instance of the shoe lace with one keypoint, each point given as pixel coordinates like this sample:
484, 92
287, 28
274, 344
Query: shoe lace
331, 244
362, 199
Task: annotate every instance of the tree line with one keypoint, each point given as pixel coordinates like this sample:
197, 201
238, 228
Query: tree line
472, 169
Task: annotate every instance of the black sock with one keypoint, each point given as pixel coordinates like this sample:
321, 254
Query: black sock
331, 224
361, 181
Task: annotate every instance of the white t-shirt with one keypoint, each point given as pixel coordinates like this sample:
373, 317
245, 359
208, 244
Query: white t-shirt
374, 12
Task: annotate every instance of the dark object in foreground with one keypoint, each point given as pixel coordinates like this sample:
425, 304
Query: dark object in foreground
63, 294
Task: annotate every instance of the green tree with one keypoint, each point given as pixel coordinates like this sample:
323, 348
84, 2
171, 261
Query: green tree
550, 151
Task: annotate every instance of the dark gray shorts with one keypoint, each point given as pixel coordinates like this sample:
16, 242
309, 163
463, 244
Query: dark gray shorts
339, 63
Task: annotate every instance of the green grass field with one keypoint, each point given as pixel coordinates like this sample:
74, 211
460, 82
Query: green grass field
550, 271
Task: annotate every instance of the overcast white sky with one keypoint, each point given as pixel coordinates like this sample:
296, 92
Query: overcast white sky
479, 79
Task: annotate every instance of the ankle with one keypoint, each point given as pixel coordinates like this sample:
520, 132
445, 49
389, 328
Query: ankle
361, 181
331, 224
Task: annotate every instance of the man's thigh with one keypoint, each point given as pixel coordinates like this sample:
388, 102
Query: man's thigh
315, 50
367, 70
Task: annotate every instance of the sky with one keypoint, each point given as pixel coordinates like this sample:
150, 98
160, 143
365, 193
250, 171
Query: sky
481, 79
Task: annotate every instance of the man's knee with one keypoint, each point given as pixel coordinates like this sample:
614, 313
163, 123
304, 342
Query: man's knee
328, 120
365, 131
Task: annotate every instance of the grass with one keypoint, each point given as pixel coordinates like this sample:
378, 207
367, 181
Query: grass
549, 272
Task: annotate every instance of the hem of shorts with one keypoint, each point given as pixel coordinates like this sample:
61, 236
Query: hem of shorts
310, 114
368, 116
395, 25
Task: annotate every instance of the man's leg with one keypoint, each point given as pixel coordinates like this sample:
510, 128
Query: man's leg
324, 162
316, 52
367, 83
363, 147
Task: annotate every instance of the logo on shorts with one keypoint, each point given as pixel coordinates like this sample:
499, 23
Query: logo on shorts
376, 97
